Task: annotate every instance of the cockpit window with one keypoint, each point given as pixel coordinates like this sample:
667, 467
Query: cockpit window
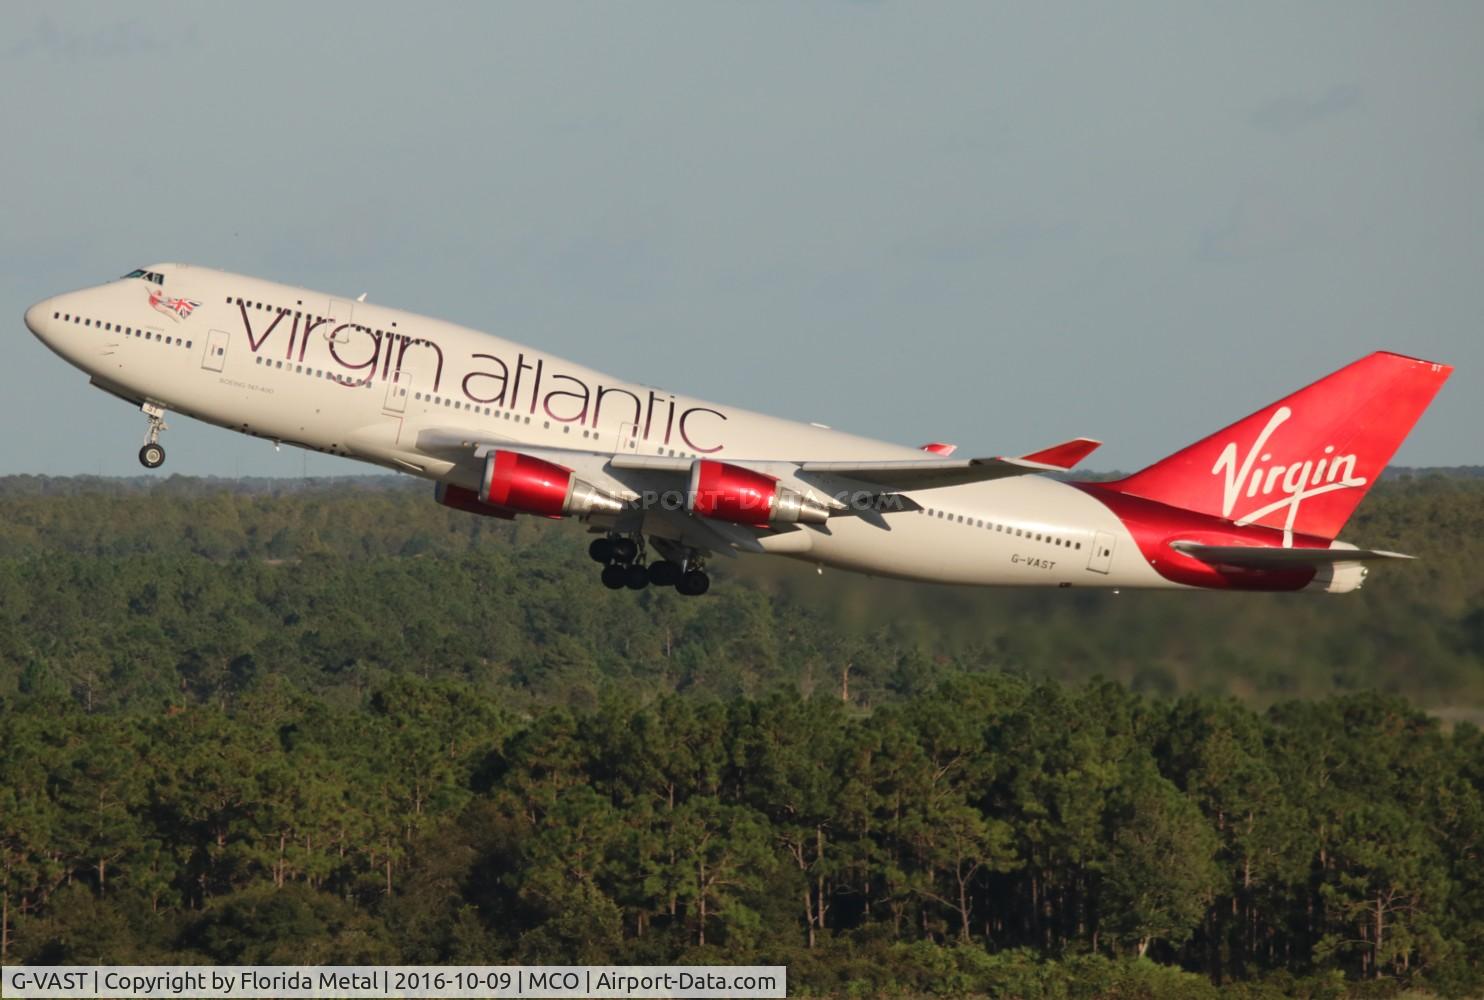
154, 276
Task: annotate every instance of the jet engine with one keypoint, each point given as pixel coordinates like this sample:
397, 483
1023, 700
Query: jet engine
744, 496
531, 485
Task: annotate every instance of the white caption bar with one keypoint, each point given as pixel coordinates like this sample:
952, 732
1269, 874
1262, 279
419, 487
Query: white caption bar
395, 981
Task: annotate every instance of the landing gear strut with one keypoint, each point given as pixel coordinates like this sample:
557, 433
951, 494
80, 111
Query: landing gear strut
152, 455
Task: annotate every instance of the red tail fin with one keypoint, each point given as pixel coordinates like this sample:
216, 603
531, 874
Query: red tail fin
1303, 463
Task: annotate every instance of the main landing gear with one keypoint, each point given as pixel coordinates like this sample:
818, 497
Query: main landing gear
624, 565
152, 455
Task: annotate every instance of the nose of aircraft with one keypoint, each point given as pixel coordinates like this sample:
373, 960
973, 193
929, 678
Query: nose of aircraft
36, 314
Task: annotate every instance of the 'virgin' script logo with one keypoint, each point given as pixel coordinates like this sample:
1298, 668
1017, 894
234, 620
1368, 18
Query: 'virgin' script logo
1252, 476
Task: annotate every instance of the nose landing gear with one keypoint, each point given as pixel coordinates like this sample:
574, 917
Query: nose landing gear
152, 455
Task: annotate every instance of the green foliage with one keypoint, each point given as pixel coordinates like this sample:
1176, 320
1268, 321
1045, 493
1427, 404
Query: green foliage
131, 595
992, 836
342, 725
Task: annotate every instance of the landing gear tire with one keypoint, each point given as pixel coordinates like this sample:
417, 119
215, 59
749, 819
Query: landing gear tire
601, 550
694, 583
625, 550
615, 577
664, 573
636, 577
151, 456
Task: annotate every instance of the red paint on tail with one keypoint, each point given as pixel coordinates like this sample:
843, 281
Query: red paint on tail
1302, 464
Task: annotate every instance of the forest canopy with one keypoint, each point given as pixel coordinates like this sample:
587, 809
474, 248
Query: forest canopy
321, 721
130, 592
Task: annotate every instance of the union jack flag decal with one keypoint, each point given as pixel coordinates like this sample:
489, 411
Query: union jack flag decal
177, 309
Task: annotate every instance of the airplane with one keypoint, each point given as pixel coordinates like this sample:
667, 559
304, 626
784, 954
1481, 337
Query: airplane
666, 481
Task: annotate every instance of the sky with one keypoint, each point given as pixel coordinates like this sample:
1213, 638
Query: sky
994, 225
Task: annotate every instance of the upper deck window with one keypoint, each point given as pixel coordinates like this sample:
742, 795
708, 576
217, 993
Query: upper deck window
154, 276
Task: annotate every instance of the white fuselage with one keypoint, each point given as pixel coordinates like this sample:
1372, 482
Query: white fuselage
377, 384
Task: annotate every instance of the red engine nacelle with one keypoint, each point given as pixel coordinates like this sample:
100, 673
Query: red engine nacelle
744, 496
531, 485
468, 501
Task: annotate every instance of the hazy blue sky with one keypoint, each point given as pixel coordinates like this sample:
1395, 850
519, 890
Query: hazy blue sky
995, 225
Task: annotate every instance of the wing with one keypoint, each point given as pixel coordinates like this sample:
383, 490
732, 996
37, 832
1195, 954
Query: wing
629, 477
900, 475
931, 473
1274, 557
888, 476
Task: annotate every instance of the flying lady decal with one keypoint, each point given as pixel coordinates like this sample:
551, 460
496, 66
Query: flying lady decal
176, 309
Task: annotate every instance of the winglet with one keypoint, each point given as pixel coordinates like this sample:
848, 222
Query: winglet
1064, 455
938, 448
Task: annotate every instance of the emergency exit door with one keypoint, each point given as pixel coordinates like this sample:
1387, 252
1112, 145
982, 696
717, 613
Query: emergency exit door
216, 350
1101, 560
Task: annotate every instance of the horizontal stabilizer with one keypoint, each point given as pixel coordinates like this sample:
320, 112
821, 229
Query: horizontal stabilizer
1064, 455
938, 448
1276, 557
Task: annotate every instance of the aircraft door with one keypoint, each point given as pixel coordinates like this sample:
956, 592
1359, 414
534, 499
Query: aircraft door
1101, 560
397, 391
628, 439
341, 314
216, 350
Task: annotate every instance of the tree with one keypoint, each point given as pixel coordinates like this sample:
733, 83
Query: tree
721, 853
955, 844
567, 866
1161, 872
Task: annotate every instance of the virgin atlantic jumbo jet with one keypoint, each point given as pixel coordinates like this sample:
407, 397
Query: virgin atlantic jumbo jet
503, 429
